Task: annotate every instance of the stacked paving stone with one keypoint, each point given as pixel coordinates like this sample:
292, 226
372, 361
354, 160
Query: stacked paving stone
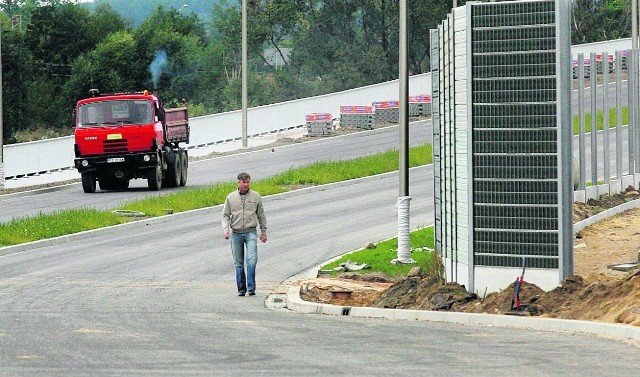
609, 65
419, 105
387, 111
357, 116
319, 124
587, 67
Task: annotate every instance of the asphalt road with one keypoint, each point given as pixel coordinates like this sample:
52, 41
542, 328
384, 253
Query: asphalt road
153, 300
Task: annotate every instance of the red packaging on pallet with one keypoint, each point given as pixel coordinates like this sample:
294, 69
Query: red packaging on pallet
420, 98
315, 117
356, 110
386, 104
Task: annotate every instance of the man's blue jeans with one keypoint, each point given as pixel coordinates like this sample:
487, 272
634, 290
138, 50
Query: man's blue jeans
238, 243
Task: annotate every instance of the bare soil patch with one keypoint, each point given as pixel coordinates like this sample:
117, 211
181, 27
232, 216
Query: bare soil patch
595, 292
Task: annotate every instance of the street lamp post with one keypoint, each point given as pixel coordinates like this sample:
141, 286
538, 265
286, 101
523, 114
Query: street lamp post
404, 246
244, 74
403, 79
634, 24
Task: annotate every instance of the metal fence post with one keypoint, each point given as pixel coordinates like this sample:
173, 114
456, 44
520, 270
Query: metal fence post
581, 126
593, 73
619, 117
605, 116
631, 72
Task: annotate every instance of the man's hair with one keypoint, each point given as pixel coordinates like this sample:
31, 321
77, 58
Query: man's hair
244, 177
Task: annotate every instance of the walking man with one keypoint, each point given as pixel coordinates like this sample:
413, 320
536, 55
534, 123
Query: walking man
241, 215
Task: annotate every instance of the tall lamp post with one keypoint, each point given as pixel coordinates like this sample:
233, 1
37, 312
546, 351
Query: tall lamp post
634, 24
244, 74
404, 247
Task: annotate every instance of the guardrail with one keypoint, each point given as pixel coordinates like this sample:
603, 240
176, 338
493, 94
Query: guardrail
43, 156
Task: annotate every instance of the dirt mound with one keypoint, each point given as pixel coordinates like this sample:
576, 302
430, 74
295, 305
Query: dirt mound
592, 207
616, 301
340, 291
424, 293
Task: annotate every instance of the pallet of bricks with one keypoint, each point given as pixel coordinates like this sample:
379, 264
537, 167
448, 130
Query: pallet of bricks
319, 124
420, 105
387, 111
357, 116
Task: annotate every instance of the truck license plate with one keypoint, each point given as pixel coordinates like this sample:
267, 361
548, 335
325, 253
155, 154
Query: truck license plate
115, 159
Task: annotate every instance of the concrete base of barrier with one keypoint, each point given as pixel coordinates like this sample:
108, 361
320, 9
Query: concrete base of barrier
612, 188
629, 180
1, 176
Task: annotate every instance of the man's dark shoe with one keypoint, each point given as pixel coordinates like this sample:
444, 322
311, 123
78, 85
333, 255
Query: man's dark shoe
240, 293
252, 293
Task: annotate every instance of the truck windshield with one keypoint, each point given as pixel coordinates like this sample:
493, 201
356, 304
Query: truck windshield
119, 112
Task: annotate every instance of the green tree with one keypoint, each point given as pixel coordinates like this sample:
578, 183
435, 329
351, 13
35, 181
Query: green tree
422, 16
104, 20
181, 38
110, 67
58, 34
17, 68
600, 20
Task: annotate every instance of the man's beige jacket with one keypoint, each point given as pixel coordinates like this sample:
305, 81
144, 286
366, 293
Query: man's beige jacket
243, 213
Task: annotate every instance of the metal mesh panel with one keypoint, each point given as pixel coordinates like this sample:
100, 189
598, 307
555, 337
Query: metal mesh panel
515, 142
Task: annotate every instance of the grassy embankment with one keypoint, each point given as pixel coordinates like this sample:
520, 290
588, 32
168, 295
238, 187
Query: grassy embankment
421, 241
72, 221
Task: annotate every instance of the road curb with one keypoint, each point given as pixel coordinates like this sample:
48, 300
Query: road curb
619, 331
580, 225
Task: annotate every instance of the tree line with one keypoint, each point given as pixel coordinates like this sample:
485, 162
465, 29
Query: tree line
54, 51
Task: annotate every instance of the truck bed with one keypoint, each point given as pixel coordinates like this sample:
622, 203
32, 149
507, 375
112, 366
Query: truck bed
177, 121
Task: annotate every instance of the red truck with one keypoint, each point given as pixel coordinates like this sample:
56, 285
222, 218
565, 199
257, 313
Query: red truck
124, 136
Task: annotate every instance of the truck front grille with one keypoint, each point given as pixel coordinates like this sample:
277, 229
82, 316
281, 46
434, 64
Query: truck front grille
115, 146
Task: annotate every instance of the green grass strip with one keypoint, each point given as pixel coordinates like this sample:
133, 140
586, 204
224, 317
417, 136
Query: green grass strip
421, 241
55, 224
600, 120
66, 222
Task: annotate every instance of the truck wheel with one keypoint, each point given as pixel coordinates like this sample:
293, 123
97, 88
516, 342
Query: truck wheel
154, 178
172, 179
88, 183
185, 168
